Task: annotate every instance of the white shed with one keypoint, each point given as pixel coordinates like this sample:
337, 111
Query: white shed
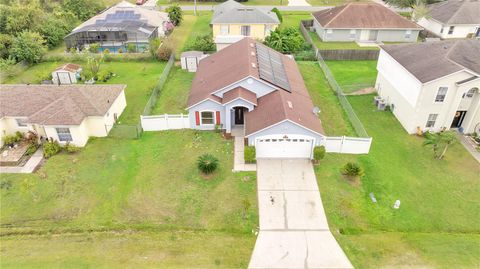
190, 60
66, 74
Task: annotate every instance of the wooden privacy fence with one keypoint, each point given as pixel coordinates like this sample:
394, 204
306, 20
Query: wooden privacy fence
353, 55
350, 145
165, 122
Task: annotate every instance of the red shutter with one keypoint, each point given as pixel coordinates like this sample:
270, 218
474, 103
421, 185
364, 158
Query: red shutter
218, 117
197, 117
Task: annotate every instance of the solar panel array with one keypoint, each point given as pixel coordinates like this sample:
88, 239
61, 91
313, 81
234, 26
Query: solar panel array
123, 15
271, 67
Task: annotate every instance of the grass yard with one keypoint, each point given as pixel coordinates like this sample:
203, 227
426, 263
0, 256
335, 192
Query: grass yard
173, 97
437, 223
199, 28
130, 204
354, 75
293, 19
140, 78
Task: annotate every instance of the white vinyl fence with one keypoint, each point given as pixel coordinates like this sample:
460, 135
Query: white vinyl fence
350, 145
165, 122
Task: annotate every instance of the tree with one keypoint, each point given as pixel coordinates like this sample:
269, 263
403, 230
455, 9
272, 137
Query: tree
175, 14
5, 45
28, 46
352, 170
409, 3
207, 163
202, 43
53, 30
21, 17
93, 65
318, 153
83, 9
420, 10
438, 141
287, 40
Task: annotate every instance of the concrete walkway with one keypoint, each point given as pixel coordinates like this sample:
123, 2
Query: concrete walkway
298, 3
294, 231
29, 167
469, 146
238, 157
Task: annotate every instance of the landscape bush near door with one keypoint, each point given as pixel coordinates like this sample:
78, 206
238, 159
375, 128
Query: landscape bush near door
250, 154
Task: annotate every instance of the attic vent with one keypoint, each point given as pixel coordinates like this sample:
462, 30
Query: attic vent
290, 105
253, 65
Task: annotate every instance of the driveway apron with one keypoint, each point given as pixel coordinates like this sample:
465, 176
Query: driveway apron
294, 231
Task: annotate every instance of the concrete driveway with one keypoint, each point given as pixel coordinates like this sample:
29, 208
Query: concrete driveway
294, 231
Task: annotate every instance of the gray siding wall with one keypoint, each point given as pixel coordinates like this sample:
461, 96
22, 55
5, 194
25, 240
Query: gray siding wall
343, 35
285, 128
206, 106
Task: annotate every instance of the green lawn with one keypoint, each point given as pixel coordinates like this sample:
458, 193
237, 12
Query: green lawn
140, 78
354, 75
437, 223
173, 97
293, 19
181, 33
128, 203
199, 28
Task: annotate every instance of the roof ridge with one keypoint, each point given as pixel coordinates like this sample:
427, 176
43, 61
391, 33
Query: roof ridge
341, 11
447, 55
458, 9
88, 100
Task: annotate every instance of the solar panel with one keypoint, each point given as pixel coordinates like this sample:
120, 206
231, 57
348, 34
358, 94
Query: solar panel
271, 67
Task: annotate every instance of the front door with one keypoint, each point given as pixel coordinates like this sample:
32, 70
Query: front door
457, 121
239, 115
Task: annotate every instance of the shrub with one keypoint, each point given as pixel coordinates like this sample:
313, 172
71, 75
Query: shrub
10, 139
106, 51
202, 43
164, 51
104, 75
5, 184
51, 148
120, 50
279, 14
207, 163
70, 148
153, 45
73, 50
250, 154
318, 153
285, 40
352, 170
18, 135
32, 148
94, 48
131, 48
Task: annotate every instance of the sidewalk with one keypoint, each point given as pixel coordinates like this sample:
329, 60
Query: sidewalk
239, 160
469, 146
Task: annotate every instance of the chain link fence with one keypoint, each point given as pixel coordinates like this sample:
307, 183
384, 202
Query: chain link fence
156, 90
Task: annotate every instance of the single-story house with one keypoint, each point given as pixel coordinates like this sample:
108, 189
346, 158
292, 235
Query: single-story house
250, 90
363, 22
233, 21
453, 19
432, 86
119, 26
66, 113
66, 74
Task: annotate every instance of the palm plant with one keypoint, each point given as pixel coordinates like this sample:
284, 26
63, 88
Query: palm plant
207, 163
438, 140
175, 14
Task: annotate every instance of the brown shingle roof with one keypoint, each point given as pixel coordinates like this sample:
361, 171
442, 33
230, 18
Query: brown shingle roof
431, 60
69, 67
239, 92
57, 105
234, 63
222, 69
362, 16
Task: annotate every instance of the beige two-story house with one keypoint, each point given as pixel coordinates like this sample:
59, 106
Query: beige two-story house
432, 86
233, 21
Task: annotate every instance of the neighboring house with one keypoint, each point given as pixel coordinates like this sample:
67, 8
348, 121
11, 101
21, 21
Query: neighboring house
66, 74
119, 26
67, 113
453, 19
258, 92
363, 22
233, 21
433, 85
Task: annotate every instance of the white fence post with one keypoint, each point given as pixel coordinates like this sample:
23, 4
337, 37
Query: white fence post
349, 145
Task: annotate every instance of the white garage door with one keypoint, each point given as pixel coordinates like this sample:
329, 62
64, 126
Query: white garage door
291, 147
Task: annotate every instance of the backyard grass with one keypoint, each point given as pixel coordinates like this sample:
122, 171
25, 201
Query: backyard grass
181, 33
128, 203
293, 19
199, 28
140, 78
436, 225
354, 75
173, 97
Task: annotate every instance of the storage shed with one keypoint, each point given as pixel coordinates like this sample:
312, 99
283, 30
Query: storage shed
66, 74
190, 60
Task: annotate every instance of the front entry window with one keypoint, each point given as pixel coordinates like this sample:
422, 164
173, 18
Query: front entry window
64, 134
207, 117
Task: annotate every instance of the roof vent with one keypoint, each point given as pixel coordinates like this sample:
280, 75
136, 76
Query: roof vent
252, 53
252, 45
290, 105
254, 65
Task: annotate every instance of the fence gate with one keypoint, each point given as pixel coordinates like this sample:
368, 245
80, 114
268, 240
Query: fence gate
127, 131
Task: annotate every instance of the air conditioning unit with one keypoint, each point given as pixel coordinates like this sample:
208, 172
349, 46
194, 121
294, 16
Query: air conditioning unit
376, 99
382, 104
